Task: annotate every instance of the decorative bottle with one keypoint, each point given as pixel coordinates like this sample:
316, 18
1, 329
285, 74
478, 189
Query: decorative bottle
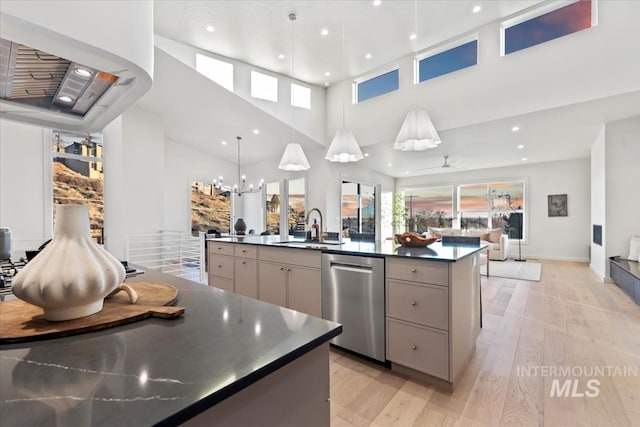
71, 277
314, 231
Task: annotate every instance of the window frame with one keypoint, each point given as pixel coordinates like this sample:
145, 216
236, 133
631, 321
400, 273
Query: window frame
371, 76
538, 11
436, 50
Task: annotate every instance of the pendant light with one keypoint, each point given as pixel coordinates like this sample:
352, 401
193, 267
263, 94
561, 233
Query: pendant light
417, 132
344, 147
240, 187
293, 158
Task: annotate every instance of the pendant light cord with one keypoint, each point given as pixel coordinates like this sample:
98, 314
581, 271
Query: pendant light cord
343, 73
415, 58
292, 18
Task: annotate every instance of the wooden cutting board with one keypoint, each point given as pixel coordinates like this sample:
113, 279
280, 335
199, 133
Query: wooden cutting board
21, 321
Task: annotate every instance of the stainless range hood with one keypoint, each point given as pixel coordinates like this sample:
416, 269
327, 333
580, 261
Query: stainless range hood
31, 77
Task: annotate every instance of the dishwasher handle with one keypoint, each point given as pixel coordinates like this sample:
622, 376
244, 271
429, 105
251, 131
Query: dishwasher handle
351, 267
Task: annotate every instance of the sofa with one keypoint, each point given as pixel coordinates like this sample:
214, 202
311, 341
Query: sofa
498, 242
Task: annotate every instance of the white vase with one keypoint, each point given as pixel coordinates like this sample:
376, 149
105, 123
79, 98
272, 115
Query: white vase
71, 277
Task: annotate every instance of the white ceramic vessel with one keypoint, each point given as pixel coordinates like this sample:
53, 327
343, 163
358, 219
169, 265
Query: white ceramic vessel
71, 277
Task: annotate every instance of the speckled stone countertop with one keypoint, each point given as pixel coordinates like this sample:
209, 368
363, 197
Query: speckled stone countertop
436, 251
154, 371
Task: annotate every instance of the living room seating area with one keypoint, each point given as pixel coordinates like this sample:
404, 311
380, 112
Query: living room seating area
498, 242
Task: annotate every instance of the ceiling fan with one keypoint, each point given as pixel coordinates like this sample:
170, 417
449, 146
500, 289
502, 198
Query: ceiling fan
444, 165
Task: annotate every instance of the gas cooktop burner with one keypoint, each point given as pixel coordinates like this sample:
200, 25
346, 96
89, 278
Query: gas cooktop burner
8, 269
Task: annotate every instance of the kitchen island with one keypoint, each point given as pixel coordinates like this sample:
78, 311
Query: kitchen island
229, 360
431, 306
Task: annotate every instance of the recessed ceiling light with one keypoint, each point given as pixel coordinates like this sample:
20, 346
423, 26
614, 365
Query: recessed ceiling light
368, 56
281, 56
515, 129
520, 147
524, 159
406, 173
412, 37
224, 143
377, 2
65, 98
256, 131
389, 164
324, 31
327, 74
477, 8
327, 84
210, 28
366, 154
82, 72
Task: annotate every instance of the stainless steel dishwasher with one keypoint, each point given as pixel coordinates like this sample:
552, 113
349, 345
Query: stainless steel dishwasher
353, 295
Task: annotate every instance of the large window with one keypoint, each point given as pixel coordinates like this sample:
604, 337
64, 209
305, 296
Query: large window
493, 205
428, 207
448, 61
300, 96
78, 175
558, 22
210, 208
272, 207
297, 207
377, 86
358, 211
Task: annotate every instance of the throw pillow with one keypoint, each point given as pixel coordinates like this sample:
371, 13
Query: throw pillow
494, 235
634, 248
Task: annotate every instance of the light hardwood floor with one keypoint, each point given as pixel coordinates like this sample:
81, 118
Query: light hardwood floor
568, 319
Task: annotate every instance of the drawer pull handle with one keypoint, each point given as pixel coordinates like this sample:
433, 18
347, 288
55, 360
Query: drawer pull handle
219, 266
219, 248
288, 269
244, 251
244, 262
281, 268
413, 270
413, 347
413, 303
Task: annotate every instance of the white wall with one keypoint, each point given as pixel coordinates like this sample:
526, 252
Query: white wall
561, 238
25, 184
134, 178
309, 122
495, 88
622, 165
598, 203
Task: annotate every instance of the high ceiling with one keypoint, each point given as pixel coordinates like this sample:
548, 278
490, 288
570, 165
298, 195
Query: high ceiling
256, 32
559, 119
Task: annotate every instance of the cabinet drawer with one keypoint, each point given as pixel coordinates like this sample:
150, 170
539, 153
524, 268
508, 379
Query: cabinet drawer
221, 266
433, 272
420, 348
245, 251
303, 257
221, 283
223, 248
423, 304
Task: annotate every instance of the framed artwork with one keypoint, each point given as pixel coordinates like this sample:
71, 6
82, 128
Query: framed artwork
557, 205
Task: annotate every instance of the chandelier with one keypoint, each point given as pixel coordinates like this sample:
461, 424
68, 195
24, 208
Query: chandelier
240, 187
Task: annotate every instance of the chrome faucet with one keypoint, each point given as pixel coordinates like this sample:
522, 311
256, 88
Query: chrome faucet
320, 214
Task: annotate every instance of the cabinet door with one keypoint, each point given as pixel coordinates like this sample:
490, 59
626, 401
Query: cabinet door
221, 265
305, 293
246, 277
272, 285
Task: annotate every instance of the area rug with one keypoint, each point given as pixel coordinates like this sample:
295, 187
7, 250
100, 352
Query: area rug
514, 270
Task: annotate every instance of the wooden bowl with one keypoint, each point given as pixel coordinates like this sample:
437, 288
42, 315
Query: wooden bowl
411, 239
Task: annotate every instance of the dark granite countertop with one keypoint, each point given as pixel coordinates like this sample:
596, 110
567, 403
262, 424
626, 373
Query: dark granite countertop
436, 251
154, 371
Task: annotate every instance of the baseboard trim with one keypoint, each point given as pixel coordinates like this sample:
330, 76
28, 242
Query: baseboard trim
551, 258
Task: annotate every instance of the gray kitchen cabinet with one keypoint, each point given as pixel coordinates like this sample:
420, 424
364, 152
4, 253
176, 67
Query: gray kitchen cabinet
432, 317
290, 278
